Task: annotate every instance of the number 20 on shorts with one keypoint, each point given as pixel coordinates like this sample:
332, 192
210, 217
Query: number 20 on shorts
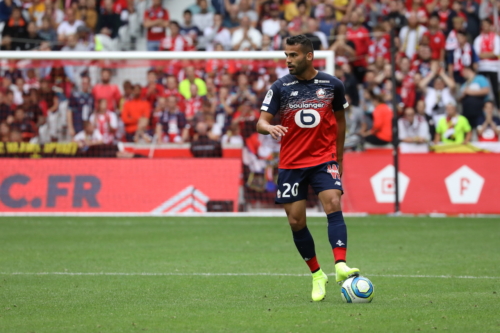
294, 188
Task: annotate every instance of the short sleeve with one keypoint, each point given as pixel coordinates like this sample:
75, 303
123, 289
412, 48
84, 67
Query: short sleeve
482, 81
339, 102
271, 102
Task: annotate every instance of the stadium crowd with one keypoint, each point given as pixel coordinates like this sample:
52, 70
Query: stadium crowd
446, 70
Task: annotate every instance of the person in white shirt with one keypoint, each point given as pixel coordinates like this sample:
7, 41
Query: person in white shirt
90, 136
68, 26
246, 10
217, 34
246, 37
487, 48
204, 18
411, 35
105, 121
413, 132
271, 26
439, 95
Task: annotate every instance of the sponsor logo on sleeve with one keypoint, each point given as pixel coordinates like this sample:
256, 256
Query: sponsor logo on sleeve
269, 96
346, 105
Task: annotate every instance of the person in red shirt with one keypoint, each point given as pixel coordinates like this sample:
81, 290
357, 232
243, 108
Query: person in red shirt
174, 42
135, 115
360, 36
435, 38
172, 90
155, 20
107, 91
312, 131
153, 89
379, 46
193, 104
381, 132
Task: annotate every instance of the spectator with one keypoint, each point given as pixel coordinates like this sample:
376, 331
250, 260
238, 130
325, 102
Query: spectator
109, 19
421, 62
471, 9
185, 85
204, 18
171, 89
350, 84
439, 95
451, 39
246, 10
246, 37
56, 15
246, 117
6, 8
4, 132
344, 49
396, 16
473, 94
188, 29
153, 89
14, 32
420, 110
47, 31
80, 107
327, 22
6, 114
360, 36
196, 8
354, 121
23, 124
89, 15
379, 45
15, 135
217, 34
381, 132
279, 38
156, 20
203, 146
33, 39
105, 121
243, 92
73, 72
410, 36
340, 7
135, 115
232, 136
89, 136
413, 132
68, 26
406, 82
298, 24
172, 125
271, 25
453, 128
487, 47
194, 103
488, 125
106, 90
462, 56
318, 38
231, 21
32, 109
175, 41
49, 103
435, 38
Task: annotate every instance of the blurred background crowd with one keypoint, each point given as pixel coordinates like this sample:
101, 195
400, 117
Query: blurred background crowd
446, 73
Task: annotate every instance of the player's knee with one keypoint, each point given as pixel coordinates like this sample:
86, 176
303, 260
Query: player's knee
332, 205
296, 223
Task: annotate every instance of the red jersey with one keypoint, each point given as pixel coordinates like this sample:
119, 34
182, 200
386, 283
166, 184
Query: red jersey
181, 101
379, 48
152, 96
177, 43
361, 39
307, 109
437, 42
155, 13
110, 92
193, 105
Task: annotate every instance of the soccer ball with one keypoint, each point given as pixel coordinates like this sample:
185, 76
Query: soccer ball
357, 289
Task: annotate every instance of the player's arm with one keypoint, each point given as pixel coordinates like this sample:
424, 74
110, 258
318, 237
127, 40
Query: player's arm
269, 108
264, 126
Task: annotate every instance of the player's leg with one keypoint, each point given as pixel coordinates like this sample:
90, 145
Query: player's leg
296, 213
292, 193
326, 181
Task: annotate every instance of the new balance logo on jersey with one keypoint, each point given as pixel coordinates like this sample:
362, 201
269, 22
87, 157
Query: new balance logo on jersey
339, 243
294, 93
334, 171
306, 106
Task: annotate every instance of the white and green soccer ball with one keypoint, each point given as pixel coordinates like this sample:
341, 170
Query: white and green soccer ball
357, 289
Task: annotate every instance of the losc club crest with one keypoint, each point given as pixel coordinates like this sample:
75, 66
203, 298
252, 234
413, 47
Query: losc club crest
321, 93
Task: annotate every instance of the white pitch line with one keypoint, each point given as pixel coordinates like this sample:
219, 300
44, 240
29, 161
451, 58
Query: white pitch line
239, 274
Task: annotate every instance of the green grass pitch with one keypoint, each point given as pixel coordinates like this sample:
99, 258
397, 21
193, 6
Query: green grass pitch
449, 275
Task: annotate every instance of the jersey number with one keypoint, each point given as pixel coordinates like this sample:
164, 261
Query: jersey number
295, 190
307, 118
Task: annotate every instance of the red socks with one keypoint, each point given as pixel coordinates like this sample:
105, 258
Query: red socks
339, 253
313, 264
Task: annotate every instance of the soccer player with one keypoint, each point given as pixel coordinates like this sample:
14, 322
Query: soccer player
312, 133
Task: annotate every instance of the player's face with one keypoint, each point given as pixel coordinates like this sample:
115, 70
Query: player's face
296, 61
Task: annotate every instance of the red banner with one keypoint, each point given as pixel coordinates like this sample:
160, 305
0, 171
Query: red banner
429, 183
113, 185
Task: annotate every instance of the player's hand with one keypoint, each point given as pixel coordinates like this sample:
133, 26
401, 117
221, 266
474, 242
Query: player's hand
277, 131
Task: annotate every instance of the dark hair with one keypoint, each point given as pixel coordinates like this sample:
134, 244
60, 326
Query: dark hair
488, 20
176, 24
462, 32
435, 15
187, 11
304, 42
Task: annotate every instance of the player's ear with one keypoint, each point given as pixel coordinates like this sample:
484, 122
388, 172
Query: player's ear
309, 56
